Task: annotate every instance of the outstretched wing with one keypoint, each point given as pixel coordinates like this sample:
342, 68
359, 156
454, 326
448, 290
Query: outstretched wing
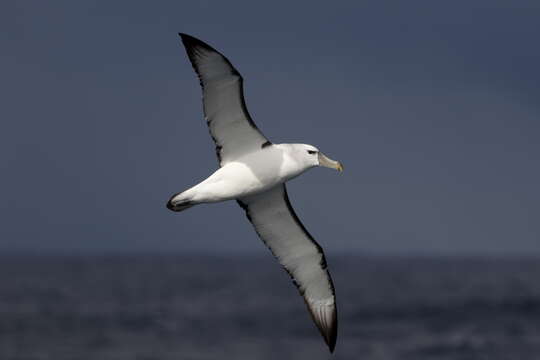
231, 127
280, 229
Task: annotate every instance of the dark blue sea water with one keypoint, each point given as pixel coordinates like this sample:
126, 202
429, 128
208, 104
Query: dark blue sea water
209, 307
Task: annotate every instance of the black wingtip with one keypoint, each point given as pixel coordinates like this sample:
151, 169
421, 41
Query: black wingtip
185, 36
187, 39
191, 42
331, 341
330, 335
327, 325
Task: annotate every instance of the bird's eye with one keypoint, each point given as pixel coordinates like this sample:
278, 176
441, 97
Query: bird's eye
311, 152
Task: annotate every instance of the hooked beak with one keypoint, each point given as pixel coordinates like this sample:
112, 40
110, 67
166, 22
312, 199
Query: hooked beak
326, 162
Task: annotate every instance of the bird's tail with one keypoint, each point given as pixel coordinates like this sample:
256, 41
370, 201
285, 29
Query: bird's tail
179, 202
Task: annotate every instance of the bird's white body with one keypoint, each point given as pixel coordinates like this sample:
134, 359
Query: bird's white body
251, 174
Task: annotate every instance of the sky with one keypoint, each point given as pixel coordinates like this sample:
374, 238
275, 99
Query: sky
432, 107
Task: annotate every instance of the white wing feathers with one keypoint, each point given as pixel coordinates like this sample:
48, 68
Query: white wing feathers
280, 229
231, 127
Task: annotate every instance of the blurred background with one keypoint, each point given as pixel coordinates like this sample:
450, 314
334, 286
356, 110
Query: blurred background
431, 233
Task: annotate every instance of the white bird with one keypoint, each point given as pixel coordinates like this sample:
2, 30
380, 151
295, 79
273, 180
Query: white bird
253, 171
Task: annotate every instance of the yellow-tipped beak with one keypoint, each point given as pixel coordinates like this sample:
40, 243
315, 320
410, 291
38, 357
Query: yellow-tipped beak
327, 162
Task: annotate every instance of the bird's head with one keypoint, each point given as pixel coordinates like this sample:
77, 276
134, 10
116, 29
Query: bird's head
312, 156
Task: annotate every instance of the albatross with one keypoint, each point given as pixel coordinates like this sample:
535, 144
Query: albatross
253, 171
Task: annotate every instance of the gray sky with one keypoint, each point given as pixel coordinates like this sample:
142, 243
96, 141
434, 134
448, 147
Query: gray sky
433, 108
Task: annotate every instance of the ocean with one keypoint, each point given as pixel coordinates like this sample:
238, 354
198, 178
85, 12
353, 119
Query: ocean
166, 307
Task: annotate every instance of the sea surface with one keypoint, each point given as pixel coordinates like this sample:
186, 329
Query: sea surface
245, 307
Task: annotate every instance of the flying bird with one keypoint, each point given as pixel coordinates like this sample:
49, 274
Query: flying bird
253, 171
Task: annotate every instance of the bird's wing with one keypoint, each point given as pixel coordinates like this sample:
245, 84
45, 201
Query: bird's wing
231, 127
280, 229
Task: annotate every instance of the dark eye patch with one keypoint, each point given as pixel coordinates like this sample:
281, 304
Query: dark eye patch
311, 152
